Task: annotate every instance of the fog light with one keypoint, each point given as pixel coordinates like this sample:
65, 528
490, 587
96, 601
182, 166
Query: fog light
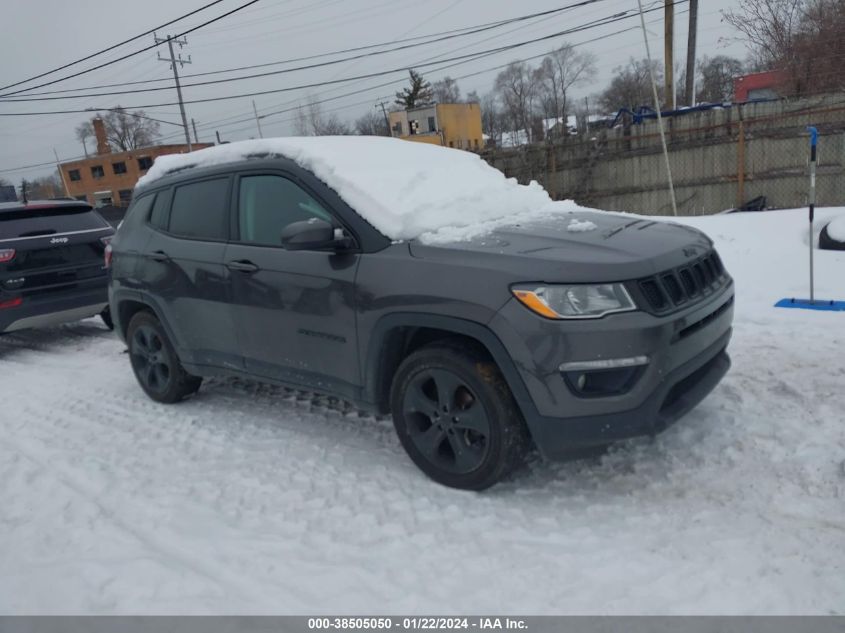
604, 363
581, 383
611, 377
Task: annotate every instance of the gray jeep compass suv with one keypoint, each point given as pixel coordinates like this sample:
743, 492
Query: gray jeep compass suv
531, 334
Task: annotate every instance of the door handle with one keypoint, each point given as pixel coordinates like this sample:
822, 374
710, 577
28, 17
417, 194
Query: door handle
243, 266
159, 256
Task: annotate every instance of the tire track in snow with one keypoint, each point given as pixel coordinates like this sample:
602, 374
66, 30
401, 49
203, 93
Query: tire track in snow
230, 583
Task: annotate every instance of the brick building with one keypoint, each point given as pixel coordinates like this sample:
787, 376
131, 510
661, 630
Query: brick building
766, 85
108, 178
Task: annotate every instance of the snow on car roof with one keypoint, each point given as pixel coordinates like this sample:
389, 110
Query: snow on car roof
404, 189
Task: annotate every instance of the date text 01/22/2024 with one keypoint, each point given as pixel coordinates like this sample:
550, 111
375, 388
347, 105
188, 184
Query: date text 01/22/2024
416, 623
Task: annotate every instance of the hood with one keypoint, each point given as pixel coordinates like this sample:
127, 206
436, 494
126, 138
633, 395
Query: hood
613, 247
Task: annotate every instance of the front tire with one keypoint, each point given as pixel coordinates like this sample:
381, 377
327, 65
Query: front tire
456, 417
155, 363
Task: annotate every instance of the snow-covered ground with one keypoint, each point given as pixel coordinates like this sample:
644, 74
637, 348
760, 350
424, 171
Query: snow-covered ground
253, 499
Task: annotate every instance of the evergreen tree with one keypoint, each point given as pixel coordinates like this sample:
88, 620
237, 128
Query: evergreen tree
417, 94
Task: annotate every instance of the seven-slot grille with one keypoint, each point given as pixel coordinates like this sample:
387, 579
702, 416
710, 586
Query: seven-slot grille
685, 284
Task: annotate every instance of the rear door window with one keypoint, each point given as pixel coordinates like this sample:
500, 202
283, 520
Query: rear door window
267, 204
34, 221
200, 210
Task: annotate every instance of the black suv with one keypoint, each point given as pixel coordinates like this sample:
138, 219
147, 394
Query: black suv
532, 335
52, 267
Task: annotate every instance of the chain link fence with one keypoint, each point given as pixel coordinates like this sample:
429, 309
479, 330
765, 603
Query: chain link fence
753, 155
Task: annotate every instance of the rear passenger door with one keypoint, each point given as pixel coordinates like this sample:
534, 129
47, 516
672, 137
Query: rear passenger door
184, 270
293, 310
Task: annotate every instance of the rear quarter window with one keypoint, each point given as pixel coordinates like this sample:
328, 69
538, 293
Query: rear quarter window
139, 210
158, 216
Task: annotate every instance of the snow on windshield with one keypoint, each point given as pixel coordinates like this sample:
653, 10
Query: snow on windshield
404, 189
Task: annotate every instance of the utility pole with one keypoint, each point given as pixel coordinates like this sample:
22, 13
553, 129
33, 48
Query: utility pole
689, 88
61, 173
257, 119
196, 136
669, 52
657, 110
587, 115
174, 60
386, 118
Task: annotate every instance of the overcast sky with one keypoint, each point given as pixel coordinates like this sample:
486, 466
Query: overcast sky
40, 35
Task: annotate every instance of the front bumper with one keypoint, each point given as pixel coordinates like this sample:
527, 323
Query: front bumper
55, 308
678, 393
687, 359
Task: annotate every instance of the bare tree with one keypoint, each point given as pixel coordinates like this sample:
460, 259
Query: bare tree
803, 38
311, 121
300, 124
84, 131
820, 48
560, 71
491, 118
446, 91
45, 187
417, 94
372, 124
631, 86
128, 130
516, 88
716, 78
767, 26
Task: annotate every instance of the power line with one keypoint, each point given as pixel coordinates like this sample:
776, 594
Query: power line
220, 122
469, 56
112, 47
252, 66
448, 35
133, 54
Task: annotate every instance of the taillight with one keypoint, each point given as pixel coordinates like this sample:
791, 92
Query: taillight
6, 255
107, 253
11, 303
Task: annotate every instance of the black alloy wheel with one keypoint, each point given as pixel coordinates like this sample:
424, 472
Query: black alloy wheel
456, 417
150, 360
155, 362
446, 421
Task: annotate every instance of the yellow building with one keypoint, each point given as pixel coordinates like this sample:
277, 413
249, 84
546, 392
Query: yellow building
449, 124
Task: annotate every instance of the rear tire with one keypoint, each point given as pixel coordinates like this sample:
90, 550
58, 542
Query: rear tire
155, 363
456, 417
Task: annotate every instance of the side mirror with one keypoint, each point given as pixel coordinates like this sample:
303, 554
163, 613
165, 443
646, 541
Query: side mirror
313, 235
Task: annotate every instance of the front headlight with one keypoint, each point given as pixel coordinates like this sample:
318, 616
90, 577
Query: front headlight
581, 301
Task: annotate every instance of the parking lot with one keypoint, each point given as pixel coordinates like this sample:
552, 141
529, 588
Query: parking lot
256, 499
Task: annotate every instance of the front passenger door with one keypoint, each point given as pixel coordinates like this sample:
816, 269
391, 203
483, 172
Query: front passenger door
293, 311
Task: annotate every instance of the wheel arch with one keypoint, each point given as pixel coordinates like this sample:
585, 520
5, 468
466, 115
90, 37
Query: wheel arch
399, 334
128, 305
